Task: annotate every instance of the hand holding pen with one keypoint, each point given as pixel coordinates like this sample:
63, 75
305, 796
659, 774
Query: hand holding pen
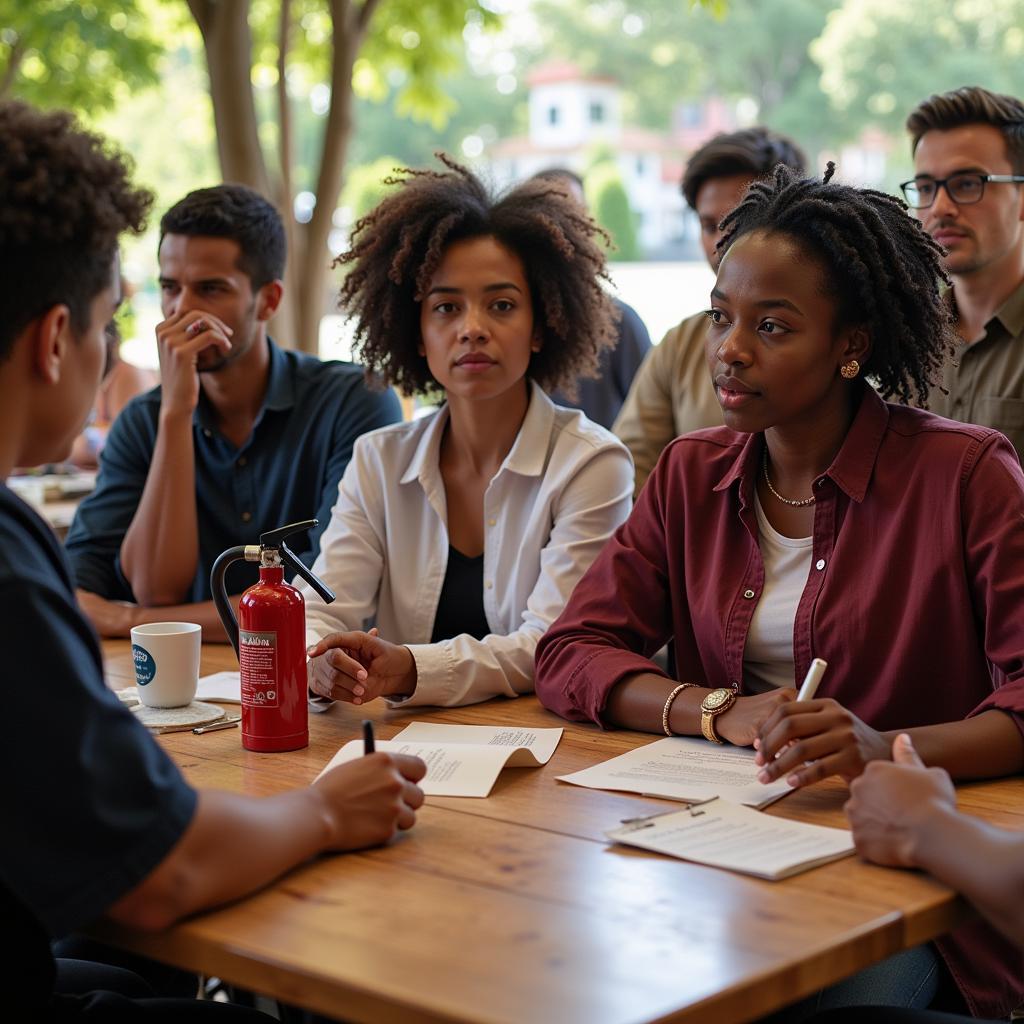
367, 800
811, 738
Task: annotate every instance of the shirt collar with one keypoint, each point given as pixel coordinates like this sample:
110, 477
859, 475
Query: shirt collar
529, 453
1011, 313
280, 382
851, 468
280, 391
427, 455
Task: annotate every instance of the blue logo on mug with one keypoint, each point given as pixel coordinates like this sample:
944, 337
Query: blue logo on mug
145, 666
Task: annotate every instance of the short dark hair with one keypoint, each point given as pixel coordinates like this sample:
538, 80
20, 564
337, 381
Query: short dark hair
398, 246
754, 151
240, 214
882, 267
971, 104
64, 200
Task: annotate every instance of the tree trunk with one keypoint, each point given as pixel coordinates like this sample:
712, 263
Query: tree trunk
227, 40
349, 24
13, 64
224, 25
285, 324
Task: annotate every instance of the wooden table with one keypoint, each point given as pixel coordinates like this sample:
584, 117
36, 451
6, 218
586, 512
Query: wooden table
516, 909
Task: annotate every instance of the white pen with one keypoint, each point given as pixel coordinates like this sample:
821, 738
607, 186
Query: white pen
809, 687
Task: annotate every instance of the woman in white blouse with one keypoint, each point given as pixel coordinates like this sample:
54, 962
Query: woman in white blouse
457, 538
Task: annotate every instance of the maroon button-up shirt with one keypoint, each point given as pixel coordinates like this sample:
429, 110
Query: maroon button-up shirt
915, 596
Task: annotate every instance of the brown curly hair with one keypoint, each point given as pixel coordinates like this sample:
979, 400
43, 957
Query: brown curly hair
64, 200
396, 249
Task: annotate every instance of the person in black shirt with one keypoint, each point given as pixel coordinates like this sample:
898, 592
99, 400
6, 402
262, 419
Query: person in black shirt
98, 820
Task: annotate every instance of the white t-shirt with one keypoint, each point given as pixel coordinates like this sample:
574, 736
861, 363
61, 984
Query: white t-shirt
768, 655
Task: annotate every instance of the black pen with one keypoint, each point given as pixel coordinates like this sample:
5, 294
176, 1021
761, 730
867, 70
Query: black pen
367, 737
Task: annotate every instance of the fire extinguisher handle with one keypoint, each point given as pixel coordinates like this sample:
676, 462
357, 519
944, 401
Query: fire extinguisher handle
220, 593
292, 561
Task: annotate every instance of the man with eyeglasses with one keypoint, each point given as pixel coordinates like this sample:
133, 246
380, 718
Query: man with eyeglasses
968, 193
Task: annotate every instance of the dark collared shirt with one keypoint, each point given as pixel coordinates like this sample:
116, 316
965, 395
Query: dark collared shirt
288, 470
914, 596
985, 379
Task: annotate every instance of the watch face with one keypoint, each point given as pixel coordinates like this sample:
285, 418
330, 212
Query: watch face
716, 698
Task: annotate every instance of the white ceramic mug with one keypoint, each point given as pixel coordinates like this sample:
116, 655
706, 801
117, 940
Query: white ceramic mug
166, 658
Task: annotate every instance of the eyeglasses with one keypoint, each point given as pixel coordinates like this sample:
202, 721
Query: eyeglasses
963, 189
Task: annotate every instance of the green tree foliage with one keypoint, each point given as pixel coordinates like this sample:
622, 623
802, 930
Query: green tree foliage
879, 59
665, 52
338, 50
609, 204
66, 53
365, 188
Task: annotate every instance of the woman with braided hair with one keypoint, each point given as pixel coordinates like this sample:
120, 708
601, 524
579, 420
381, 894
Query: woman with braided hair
459, 537
820, 522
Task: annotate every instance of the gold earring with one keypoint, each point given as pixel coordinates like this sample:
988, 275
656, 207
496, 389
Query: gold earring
850, 370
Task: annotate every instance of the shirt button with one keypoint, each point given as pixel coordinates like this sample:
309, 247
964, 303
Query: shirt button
242, 461
207, 432
819, 564
489, 585
246, 516
492, 522
748, 594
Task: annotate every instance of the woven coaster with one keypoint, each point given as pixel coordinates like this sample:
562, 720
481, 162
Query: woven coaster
177, 719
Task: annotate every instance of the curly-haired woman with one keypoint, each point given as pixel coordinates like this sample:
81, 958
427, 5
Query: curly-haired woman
821, 521
460, 536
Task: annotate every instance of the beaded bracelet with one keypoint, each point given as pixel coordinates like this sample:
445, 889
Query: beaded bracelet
668, 706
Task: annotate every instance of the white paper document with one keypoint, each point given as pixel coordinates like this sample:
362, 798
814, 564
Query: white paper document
731, 836
221, 687
684, 768
463, 760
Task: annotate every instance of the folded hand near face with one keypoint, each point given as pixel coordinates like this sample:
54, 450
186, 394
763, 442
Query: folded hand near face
358, 666
809, 740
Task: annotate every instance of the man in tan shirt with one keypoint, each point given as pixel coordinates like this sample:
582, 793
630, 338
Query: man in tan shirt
968, 193
672, 391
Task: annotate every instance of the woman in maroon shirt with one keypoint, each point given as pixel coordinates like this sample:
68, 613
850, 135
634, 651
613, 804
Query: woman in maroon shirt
913, 582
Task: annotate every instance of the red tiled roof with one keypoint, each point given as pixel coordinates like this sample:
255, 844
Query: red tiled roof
563, 71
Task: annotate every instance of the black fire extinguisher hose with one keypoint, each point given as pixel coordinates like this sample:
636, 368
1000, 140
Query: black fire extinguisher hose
220, 593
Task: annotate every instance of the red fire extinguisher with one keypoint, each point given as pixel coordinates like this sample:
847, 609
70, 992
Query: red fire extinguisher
270, 640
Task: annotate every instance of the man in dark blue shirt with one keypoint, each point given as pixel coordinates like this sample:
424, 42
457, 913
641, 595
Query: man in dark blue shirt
98, 821
241, 437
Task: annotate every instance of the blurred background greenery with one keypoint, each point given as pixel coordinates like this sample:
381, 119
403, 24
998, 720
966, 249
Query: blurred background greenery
314, 101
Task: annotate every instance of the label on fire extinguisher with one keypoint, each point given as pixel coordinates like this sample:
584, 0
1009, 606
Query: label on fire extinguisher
257, 659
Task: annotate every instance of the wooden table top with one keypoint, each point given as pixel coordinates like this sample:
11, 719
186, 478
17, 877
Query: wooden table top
516, 909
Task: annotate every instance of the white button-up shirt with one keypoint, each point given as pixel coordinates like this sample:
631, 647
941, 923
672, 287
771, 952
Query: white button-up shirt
563, 488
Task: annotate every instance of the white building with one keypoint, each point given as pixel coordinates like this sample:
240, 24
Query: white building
571, 116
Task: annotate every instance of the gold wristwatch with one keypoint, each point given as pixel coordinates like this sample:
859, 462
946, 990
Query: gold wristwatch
714, 704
